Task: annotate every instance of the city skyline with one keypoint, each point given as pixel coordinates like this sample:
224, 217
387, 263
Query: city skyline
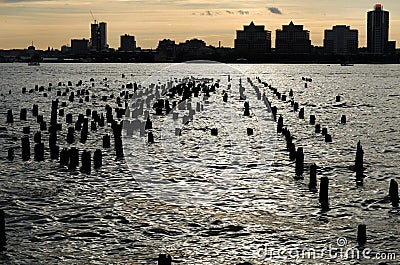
53, 23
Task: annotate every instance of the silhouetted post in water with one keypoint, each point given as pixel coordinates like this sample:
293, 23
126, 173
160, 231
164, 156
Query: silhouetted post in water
39, 118
343, 119
64, 157
52, 137
68, 118
84, 131
3, 240
101, 121
337, 98
292, 151
150, 138
362, 235
280, 124
70, 135
106, 141
323, 193
299, 162
246, 109
312, 119
359, 166
78, 125
295, 106
10, 154
73, 158
149, 124
43, 126
324, 131
35, 110
10, 118
39, 152
274, 111
37, 138
288, 137
291, 93
86, 162
250, 131
26, 150
313, 178
164, 259
305, 85
301, 113
97, 159
328, 138
317, 128
214, 131
93, 126
225, 98
54, 106
54, 151
22, 115
394, 193
117, 131
167, 107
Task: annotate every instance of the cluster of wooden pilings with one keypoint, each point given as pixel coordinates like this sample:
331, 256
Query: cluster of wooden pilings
298, 155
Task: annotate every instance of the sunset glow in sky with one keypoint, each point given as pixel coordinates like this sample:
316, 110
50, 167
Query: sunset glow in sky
55, 22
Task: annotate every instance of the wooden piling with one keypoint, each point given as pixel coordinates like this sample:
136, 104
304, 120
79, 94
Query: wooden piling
313, 178
394, 193
362, 234
323, 193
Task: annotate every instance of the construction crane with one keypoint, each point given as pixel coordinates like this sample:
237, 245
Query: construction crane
95, 21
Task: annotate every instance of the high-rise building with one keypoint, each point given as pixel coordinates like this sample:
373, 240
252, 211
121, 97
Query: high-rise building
128, 43
103, 36
93, 36
377, 30
341, 40
292, 39
98, 36
253, 39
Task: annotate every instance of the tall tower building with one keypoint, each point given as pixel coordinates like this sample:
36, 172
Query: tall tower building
377, 30
98, 36
103, 35
93, 36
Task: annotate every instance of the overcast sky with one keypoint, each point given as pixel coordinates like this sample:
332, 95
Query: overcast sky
55, 22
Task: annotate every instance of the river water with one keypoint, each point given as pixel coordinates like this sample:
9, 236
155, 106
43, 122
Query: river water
205, 199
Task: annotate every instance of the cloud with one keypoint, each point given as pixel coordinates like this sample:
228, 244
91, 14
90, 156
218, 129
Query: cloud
274, 10
243, 12
205, 13
220, 12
